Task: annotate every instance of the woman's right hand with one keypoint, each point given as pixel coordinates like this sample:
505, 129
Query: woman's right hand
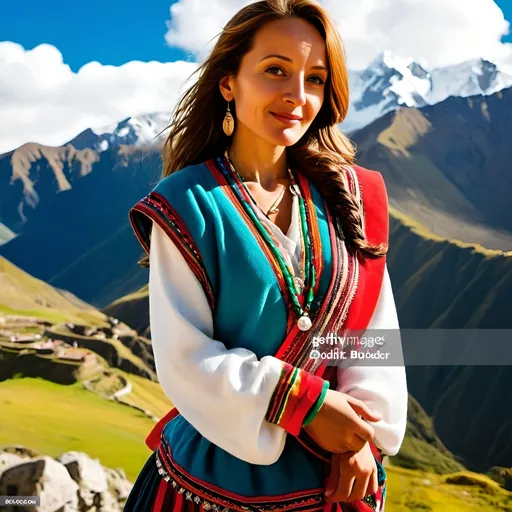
338, 427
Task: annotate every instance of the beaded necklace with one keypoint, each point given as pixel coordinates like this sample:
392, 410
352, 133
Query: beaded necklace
309, 271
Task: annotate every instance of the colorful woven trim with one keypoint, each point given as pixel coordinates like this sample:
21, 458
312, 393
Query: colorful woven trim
318, 404
295, 394
314, 232
180, 492
155, 207
347, 305
210, 497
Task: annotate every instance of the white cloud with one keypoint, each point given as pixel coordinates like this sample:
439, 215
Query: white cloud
43, 100
441, 32
194, 23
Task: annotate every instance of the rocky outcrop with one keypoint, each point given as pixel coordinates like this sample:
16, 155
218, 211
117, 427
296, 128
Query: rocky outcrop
71, 482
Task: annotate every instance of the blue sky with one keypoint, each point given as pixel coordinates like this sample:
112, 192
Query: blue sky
110, 32
506, 7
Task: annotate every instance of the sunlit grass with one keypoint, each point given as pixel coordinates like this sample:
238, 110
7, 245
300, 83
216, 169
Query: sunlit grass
414, 490
52, 418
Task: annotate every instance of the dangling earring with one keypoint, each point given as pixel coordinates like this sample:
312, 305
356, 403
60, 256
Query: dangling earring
228, 125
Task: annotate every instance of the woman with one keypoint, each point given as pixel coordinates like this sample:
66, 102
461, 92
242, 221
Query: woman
264, 234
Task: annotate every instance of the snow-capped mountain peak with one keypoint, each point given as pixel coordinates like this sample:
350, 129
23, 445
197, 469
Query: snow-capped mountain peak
138, 130
388, 59
141, 130
475, 76
391, 81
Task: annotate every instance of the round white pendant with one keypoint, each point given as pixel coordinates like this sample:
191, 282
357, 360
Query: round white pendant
304, 323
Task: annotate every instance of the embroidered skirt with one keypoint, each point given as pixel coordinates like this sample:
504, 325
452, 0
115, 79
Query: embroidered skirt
155, 490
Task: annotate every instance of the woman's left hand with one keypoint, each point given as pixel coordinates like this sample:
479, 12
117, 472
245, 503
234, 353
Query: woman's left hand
353, 476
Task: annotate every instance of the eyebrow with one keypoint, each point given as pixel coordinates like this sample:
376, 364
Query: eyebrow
287, 59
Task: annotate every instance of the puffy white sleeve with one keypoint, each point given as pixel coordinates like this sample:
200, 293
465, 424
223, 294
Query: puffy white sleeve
383, 388
225, 394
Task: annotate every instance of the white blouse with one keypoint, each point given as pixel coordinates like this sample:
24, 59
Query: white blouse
225, 393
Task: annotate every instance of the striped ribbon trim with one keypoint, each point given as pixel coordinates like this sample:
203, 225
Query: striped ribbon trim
155, 207
294, 395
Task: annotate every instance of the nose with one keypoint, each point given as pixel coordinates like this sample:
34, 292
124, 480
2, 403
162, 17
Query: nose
296, 91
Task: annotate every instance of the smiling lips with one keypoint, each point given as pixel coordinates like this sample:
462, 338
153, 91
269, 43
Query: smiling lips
288, 119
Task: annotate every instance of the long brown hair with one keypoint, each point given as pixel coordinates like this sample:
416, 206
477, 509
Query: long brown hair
196, 124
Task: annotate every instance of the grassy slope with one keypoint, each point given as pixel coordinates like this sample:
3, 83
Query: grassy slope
148, 395
434, 178
132, 309
52, 419
413, 490
23, 294
422, 449
122, 351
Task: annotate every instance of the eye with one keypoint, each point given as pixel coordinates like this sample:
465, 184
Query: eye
273, 67
321, 80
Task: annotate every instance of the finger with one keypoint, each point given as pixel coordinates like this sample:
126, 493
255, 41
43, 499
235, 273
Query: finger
363, 430
373, 486
362, 433
359, 488
362, 408
332, 481
358, 425
342, 447
355, 443
344, 444
344, 488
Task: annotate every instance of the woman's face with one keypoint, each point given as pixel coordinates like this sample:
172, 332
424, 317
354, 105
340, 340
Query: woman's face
291, 84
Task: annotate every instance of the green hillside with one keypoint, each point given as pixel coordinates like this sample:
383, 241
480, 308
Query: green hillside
53, 418
422, 449
413, 490
23, 294
133, 308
